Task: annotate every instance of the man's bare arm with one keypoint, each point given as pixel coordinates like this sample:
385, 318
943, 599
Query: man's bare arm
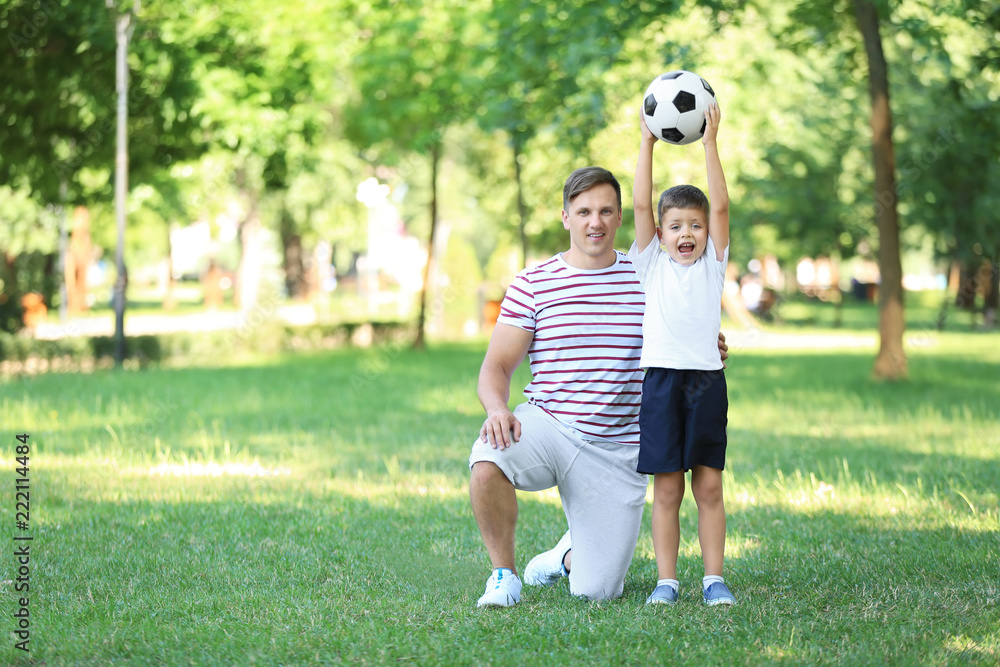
508, 347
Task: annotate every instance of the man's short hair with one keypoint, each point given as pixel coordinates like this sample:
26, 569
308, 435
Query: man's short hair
585, 178
682, 196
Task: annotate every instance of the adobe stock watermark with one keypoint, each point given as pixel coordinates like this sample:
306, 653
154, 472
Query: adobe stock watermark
263, 311
162, 411
26, 29
217, 180
914, 167
97, 134
381, 362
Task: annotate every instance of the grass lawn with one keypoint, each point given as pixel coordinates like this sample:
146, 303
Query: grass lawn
922, 312
314, 510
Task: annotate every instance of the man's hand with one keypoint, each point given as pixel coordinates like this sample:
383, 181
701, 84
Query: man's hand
501, 429
723, 348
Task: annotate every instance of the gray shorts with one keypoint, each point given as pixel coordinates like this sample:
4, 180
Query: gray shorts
602, 494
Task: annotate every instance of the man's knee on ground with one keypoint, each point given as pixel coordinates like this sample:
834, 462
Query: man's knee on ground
597, 590
600, 585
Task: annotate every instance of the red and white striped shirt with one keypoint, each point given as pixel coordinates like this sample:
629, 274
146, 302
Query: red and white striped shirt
587, 343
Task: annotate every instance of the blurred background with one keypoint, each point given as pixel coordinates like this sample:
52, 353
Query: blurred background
394, 164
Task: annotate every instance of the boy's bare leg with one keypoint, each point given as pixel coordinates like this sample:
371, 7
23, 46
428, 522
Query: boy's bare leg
494, 504
706, 484
668, 492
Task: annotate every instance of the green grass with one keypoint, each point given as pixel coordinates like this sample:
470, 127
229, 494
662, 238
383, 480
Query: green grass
921, 310
863, 518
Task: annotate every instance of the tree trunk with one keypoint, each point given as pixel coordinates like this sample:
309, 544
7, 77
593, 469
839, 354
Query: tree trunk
522, 210
248, 273
890, 364
992, 302
169, 297
11, 312
949, 290
968, 286
992, 297
293, 261
418, 342
78, 261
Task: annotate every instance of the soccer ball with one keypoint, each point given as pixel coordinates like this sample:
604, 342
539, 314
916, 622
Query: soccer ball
675, 105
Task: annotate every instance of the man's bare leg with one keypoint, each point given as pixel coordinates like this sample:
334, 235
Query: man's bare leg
494, 504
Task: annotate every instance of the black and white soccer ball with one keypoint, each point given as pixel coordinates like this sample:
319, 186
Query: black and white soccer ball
675, 104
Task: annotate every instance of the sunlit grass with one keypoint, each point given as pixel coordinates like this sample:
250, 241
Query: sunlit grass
921, 309
314, 510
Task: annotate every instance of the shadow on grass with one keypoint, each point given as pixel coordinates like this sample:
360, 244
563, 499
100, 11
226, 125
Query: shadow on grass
943, 380
355, 409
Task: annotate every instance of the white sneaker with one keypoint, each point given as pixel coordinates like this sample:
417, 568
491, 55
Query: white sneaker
547, 567
503, 589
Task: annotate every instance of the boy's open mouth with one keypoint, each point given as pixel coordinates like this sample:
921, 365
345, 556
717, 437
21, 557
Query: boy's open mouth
686, 248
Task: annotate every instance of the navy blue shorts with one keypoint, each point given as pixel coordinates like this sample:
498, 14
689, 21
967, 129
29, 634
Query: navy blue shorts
682, 421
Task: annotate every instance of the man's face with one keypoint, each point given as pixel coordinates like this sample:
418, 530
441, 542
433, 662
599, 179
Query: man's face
592, 220
684, 234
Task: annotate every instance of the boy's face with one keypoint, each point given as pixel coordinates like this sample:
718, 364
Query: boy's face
592, 220
684, 234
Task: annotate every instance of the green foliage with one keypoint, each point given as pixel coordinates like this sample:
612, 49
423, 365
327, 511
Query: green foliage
543, 62
26, 226
413, 76
285, 115
947, 159
60, 124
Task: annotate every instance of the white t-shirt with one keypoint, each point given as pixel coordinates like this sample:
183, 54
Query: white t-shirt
584, 356
683, 308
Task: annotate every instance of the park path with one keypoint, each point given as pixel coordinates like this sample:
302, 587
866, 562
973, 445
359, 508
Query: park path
140, 324
143, 324
770, 340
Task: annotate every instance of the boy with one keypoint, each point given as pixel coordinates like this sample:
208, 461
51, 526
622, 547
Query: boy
682, 419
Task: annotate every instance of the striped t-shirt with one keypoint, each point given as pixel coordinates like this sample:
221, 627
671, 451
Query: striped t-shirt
587, 343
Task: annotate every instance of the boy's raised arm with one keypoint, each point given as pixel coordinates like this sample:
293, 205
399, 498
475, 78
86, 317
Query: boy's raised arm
642, 189
718, 193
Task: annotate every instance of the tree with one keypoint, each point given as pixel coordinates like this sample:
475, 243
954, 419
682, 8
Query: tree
538, 57
58, 136
414, 80
58, 95
60, 129
891, 361
263, 121
28, 242
949, 165
825, 26
546, 63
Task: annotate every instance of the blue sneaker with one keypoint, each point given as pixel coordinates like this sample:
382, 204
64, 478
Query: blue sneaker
718, 593
662, 594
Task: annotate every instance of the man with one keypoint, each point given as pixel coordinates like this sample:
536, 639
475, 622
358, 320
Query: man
578, 318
